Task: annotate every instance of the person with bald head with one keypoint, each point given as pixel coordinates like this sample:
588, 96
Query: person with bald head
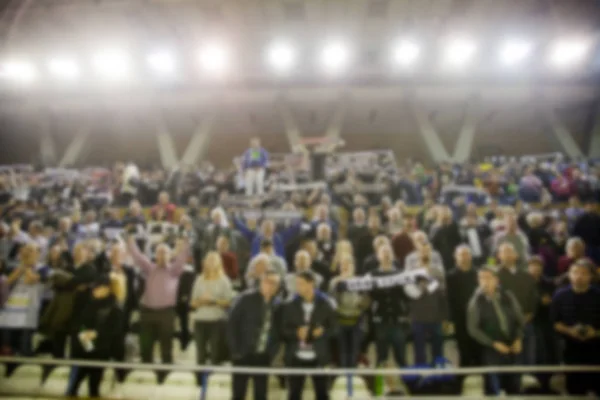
302, 263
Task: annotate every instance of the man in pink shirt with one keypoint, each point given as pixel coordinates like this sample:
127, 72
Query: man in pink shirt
157, 306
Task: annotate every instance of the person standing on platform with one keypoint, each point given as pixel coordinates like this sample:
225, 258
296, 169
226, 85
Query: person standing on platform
255, 162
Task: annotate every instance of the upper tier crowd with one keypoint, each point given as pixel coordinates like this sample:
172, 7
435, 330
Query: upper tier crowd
306, 265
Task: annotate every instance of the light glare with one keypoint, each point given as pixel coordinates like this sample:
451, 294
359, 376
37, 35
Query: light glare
281, 57
406, 53
65, 69
112, 65
459, 52
215, 58
515, 52
335, 57
162, 62
19, 71
568, 53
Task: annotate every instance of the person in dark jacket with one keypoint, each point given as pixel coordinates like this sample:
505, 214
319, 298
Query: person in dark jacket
95, 336
495, 321
309, 324
462, 283
575, 313
445, 236
587, 227
253, 334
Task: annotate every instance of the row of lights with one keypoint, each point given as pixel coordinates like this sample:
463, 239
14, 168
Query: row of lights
216, 59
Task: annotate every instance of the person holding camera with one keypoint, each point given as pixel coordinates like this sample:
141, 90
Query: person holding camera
575, 312
496, 322
309, 323
157, 305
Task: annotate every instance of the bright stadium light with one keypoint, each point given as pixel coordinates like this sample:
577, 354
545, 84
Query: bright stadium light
64, 69
19, 71
459, 52
162, 62
335, 57
215, 58
565, 53
406, 53
515, 52
281, 56
112, 65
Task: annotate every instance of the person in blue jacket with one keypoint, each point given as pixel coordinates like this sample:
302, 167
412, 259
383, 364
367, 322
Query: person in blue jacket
255, 162
267, 231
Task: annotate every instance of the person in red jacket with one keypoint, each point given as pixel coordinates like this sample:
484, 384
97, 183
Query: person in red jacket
164, 210
228, 258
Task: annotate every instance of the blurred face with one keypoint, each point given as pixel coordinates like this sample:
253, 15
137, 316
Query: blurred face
193, 202
535, 269
463, 257
162, 255
347, 266
580, 277
255, 143
575, 249
268, 228
374, 223
420, 239
268, 250
322, 214
261, 266
116, 255
385, 256
488, 282
269, 285
311, 247
511, 222
29, 255
211, 264
358, 216
64, 225
90, 217
54, 253
507, 255
304, 288
163, 198
135, 208
222, 244
80, 253
323, 233
302, 261
216, 218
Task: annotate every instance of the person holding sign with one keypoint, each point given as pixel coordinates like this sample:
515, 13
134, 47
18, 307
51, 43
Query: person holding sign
19, 316
255, 162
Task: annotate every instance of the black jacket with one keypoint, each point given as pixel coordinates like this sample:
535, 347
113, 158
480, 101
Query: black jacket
106, 318
245, 323
461, 286
445, 239
362, 242
323, 316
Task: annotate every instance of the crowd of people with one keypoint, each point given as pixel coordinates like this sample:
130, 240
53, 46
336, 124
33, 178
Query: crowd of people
308, 273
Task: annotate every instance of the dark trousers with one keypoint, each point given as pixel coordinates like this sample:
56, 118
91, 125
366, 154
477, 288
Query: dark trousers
349, 345
208, 335
157, 325
585, 353
183, 314
390, 335
296, 382
494, 383
78, 374
469, 350
546, 351
424, 332
240, 381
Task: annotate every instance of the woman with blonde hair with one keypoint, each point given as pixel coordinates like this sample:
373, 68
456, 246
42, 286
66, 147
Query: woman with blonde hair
211, 296
342, 248
351, 307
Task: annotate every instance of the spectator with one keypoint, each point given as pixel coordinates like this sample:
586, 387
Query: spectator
253, 334
157, 306
462, 283
576, 316
403, 245
342, 248
522, 285
255, 163
228, 258
389, 312
546, 345
372, 262
99, 332
267, 232
445, 236
587, 227
266, 260
210, 299
358, 234
164, 210
19, 316
351, 307
325, 244
309, 323
514, 236
317, 266
428, 305
495, 321
302, 263
575, 250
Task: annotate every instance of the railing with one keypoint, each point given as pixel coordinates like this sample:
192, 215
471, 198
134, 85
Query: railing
207, 370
